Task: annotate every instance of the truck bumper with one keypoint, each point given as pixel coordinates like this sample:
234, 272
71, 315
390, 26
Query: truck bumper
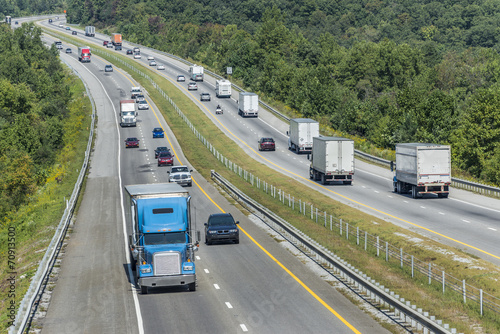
167, 280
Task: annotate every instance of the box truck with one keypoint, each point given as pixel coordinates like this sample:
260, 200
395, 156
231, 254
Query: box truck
422, 169
128, 114
301, 134
332, 159
223, 88
116, 39
163, 241
90, 31
248, 104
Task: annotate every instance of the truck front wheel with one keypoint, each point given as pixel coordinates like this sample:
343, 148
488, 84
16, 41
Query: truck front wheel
144, 290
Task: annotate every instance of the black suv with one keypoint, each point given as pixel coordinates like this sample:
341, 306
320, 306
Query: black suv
221, 227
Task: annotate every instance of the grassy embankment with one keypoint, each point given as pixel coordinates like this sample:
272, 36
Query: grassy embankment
35, 223
461, 265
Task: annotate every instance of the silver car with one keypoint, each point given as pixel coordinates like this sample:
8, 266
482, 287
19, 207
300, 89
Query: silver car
143, 105
180, 175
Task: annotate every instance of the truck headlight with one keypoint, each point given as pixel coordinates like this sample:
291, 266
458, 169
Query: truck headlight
146, 270
187, 267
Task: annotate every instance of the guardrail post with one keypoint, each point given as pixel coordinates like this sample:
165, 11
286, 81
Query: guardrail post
300, 206
386, 251
378, 248
463, 288
481, 301
347, 231
331, 223
316, 215
430, 273
401, 256
340, 226
293, 203
304, 211
312, 212
443, 282
366, 240
412, 267
325, 218
357, 235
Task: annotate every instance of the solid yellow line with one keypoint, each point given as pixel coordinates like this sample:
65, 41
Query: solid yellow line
328, 307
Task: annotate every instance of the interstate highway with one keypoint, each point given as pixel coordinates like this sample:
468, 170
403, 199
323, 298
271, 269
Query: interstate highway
465, 220
240, 288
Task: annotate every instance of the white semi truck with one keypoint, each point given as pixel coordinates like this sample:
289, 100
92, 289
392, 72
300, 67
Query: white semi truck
196, 73
90, 31
301, 134
223, 88
128, 114
248, 104
423, 169
332, 159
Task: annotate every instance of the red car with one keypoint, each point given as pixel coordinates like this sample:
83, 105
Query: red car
131, 142
267, 144
165, 158
104, 43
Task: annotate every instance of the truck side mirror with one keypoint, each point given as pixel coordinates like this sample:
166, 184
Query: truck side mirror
237, 222
287, 133
392, 166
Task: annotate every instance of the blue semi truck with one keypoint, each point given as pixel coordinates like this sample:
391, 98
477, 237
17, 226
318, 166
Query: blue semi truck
163, 241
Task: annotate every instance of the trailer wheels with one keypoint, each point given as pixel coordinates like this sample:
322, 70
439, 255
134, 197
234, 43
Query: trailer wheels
348, 183
413, 191
441, 195
323, 179
144, 290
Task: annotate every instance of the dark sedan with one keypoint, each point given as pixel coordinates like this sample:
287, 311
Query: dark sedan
131, 142
160, 149
165, 159
267, 144
221, 227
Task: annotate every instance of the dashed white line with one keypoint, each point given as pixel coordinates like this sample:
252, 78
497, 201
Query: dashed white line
197, 257
423, 207
390, 196
244, 328
363, 186
378, 192
405, 201
216, 286
491, 228
206, 271
228, 304
465, 221
441, 213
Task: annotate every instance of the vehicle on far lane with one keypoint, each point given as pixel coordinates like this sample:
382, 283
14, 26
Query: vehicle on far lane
129, 52
108, 68
151, 58
68, 50
221, 227
267, 144
181, 78
104, 43
131, 142
160, 149
158, 133
74, 33
204, 97
152, 63
180, 175
143, 105
68, 28
160, 67
137, 56
192, 86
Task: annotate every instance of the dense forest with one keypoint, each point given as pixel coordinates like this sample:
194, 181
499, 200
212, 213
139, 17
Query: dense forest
33, 105
388, 71
18, 8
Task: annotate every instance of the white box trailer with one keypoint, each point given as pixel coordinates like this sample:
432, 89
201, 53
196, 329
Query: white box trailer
248, 104
223, 88
423, 169
128, 114
301, 132
332, 160
196, 73
90, 31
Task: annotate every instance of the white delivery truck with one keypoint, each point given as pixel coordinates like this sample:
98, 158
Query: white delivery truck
128, 114
332, 160
423, 169
301, 134
196, 73
223, 88
248, 104
90, 31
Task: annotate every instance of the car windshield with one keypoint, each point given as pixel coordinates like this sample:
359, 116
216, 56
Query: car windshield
221, 221
264, 140
161, 148
132, 139
164, 154
157, 130
143, 102
164, 238
179, 169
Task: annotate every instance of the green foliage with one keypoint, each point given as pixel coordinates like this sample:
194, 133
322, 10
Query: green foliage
33, 105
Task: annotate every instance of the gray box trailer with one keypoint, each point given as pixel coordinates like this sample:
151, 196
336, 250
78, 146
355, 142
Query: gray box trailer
301, 132
332, 160
423, 169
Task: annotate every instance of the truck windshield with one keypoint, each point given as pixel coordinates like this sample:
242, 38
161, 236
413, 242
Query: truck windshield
127, 113
164, 238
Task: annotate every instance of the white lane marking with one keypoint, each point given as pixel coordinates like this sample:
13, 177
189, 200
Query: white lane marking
269, 125
476, 205
423, 207
441, 213
378, 192
390, 196
124, 224
405, 201
244, 328
197, 257
216, 286
465, 221
206, 271
363, 186
491, 228
228, 304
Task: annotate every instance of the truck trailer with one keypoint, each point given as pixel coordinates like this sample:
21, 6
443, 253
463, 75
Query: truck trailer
423, 169
90, 31
301, 134
332, 159
163, 241
248, 104
128, 114
116, 39
84, 54
223, 88
196, 73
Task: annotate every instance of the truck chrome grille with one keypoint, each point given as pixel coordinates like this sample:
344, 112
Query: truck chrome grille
167, 263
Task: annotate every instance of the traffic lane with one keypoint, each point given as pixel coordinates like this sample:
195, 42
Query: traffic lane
84, 299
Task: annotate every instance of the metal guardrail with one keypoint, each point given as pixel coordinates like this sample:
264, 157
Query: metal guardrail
406, 313
26, 308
